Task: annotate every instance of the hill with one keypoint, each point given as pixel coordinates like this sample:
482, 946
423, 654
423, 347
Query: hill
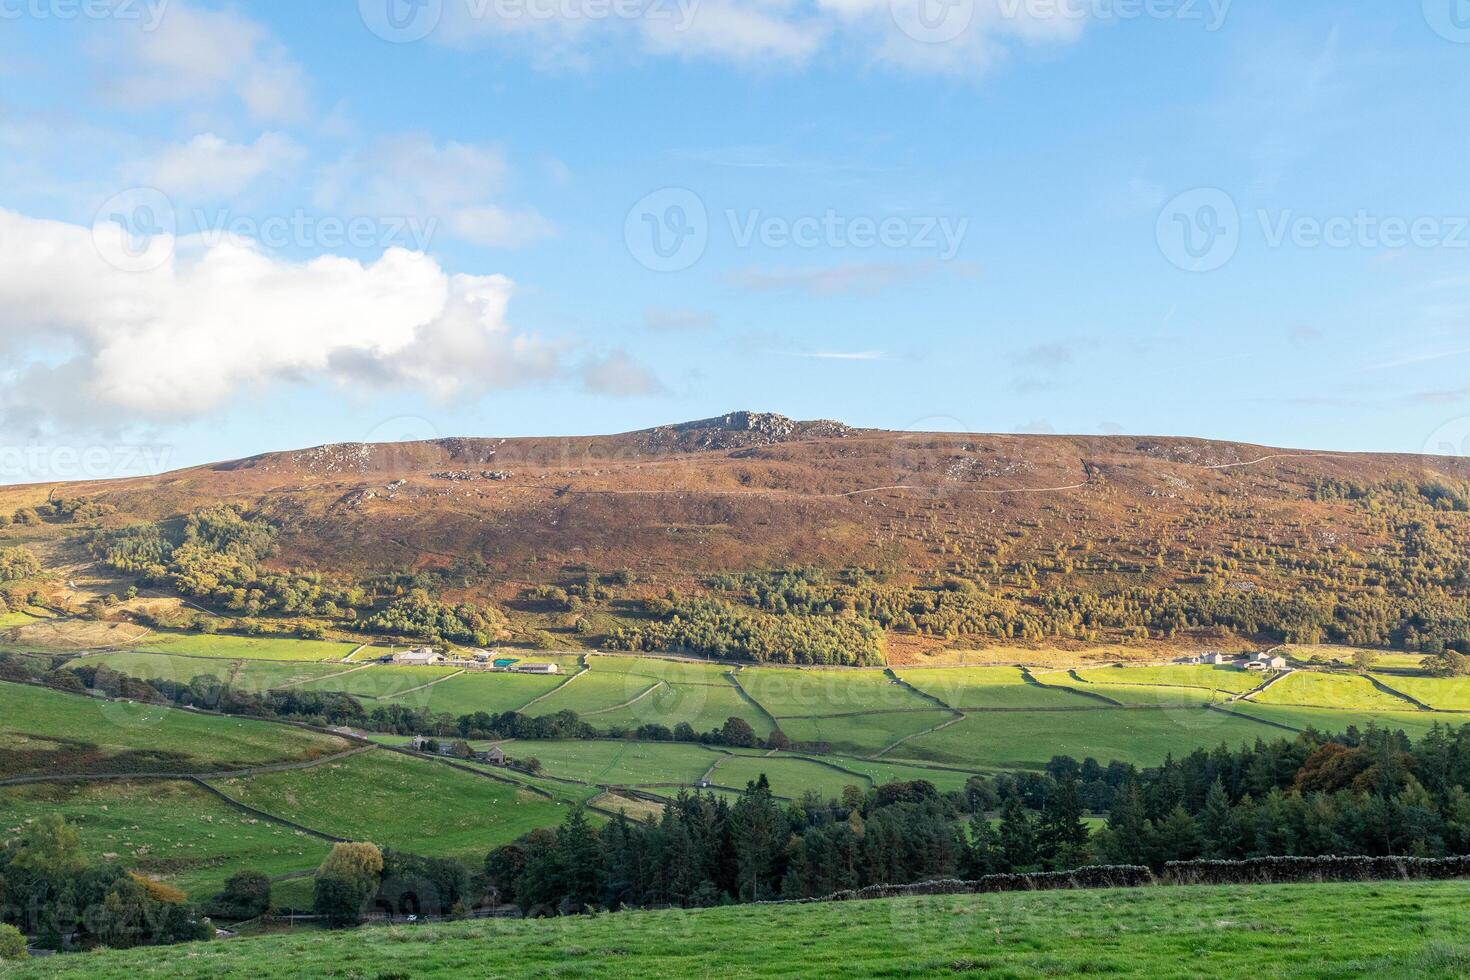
1064, 538
1387, 930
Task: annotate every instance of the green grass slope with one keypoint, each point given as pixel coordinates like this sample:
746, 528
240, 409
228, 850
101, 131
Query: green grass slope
45, 732
1395, 930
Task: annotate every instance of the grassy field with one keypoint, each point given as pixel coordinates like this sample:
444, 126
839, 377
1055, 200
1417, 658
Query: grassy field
704, 705
1028, 739
788, 777
1340, 691
255, 676
471, 692
18, 617
1209, 677
246, 647
791, 693
882, 771
173, 831
1413, 723
1139, 695
1389, 931
397, 801
381, 680
986, 688
1443, 693
863, 734
595, 691
47, 732
619, 762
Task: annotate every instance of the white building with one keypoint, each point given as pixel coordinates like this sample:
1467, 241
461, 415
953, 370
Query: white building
537, 668
418, 655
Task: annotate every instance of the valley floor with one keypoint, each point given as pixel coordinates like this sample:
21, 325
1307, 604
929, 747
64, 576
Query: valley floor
1384, 930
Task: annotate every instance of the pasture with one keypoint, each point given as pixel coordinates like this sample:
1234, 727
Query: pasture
1389, 930
863, 734
789, 692
618, 762
231, 647
472, 691
1209, 677
172, 831
399, 801
986, 688
789, 777
1027, 739
47, 732
1339, 691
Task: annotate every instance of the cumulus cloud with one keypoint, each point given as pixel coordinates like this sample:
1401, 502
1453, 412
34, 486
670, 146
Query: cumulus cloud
208, 165
452, 185
929, 36
192, 53
210, 321
619, 375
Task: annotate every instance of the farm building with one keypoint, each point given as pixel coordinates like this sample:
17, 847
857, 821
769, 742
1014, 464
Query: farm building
504, 663
495, 756
537, 668
1214, 657
420, 656
1269, 661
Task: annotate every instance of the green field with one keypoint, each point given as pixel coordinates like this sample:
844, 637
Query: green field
47, 732
619, 762
1210, 677
246, 647
594, 691
789, 777
173, 831
1027, 739
704, 705
18, 617
1411, 722
987, 688
787, 692
475, 691
1443, 693
1340, 691
1140, 695
381, 680
255, 676
863, 734
1391, 931
398, 801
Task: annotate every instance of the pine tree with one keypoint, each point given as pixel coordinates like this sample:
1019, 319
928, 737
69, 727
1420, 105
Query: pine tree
1128, 831
1063, 838
1017, 836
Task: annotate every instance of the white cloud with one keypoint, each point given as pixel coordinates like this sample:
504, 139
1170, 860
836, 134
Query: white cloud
193, 54
958, 37
451, 184
209, 323
210, 166
618, 374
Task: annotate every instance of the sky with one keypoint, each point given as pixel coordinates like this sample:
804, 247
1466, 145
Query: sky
228, 229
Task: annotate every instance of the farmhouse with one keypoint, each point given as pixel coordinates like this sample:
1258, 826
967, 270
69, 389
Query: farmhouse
418, 655
1214, 657
495, 756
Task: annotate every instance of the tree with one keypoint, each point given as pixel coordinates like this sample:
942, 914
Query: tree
247, 894
758, 828
1126, 840
12, 943
737, 732
1017, 836
1364, 660
346, 880
1063, 838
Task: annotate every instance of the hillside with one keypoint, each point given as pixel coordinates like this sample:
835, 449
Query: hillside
1069, 526
1388, 930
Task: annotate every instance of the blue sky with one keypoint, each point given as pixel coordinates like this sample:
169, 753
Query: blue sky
229, 229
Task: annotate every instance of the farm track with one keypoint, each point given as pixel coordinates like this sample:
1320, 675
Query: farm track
398, 694
586, 668
628, 703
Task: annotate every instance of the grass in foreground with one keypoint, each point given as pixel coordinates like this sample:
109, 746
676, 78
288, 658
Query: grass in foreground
1383, 930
